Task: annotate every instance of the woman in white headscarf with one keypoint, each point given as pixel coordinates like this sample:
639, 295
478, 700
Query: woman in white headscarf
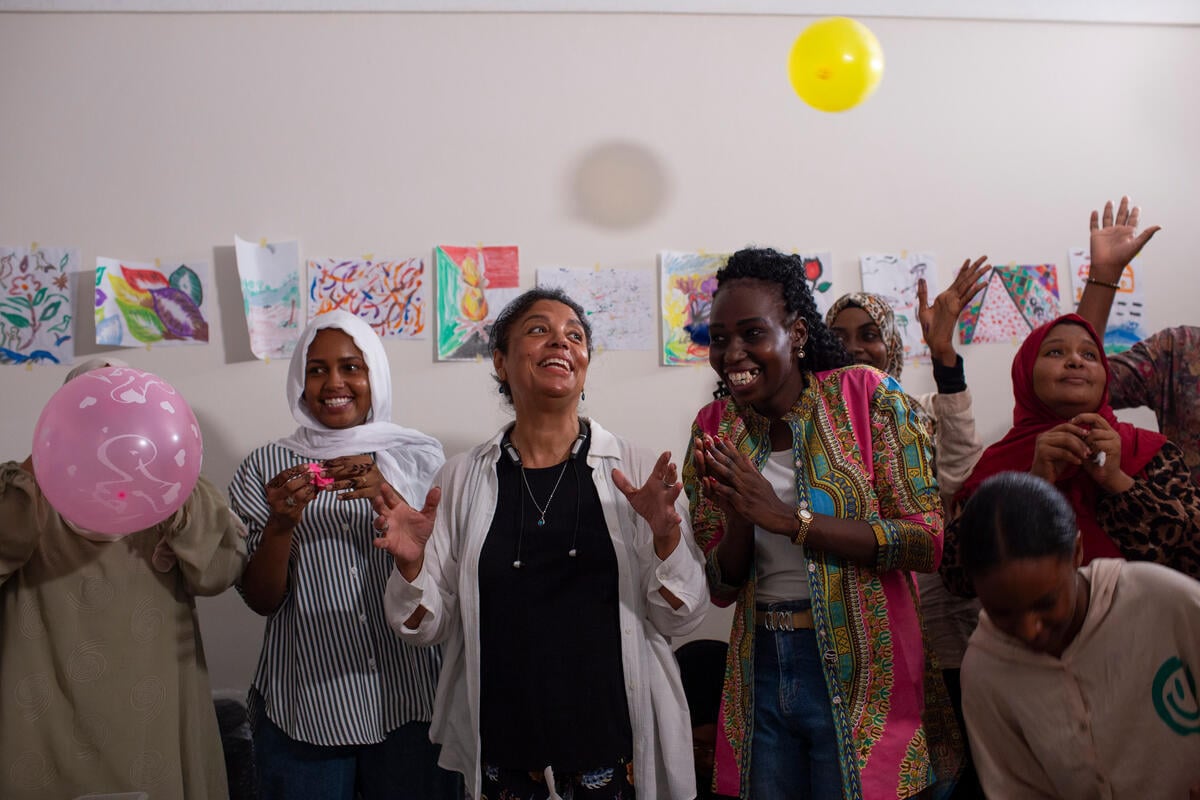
338, 704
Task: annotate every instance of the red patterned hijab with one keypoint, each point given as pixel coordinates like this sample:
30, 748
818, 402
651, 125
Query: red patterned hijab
1032, 417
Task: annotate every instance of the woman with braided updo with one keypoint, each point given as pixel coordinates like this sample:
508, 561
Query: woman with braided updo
813, 495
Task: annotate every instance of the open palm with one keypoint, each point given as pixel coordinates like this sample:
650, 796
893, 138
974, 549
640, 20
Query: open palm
1115, 240
403, 530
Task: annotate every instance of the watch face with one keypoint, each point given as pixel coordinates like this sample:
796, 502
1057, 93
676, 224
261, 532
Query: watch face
805, 515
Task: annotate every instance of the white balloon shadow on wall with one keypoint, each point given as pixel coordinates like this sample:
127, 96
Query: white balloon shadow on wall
618, 184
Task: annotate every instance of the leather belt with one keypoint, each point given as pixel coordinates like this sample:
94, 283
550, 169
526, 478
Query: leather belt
784, 620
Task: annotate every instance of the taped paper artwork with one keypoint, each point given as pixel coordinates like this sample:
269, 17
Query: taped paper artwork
387, 295
142, 304
1015, 301
619, 303
894, 278
1127, 322
270, 276
474, 285
35, 305
688, 281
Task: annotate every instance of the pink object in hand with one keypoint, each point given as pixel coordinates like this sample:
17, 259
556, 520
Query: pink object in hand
319, 478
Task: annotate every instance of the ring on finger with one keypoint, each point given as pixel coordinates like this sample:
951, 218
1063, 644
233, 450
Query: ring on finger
291, 501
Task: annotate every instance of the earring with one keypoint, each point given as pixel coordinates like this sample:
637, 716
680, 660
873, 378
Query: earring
582, 396
800, 353
502, 388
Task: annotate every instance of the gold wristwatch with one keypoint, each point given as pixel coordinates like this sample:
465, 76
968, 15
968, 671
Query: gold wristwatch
805, 518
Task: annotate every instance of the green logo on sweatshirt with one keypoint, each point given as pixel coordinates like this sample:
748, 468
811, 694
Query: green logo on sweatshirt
1175, 697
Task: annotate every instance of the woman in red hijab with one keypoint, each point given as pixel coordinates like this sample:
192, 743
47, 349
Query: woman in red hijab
1132, 493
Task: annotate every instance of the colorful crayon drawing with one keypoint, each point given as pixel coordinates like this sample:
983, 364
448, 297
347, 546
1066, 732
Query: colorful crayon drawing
688, 283
140, 304
894, 278
270, 277
474, 285
817, 271
619, 303
1127, 322
387, 295
1015, 301
35, 305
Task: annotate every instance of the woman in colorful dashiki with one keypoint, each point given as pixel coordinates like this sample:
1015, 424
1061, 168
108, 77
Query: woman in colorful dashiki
813, 494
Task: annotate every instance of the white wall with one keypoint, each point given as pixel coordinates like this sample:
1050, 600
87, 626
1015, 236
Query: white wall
143, 136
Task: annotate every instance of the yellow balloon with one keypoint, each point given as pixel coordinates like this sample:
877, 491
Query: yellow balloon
835, 64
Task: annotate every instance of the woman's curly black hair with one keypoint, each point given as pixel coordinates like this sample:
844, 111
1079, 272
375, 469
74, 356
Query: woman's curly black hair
823, 350
501, 329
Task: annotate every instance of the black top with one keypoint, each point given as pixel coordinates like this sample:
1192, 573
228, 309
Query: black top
552, 688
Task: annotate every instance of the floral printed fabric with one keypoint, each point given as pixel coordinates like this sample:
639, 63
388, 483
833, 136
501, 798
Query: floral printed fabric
1163, 373
607, 783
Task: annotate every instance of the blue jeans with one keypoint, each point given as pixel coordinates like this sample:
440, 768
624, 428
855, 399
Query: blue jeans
401, 767
794, 751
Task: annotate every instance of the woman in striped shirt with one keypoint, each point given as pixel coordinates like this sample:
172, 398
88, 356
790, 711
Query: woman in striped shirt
339, 704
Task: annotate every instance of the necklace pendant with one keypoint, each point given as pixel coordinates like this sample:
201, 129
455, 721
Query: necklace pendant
541, 522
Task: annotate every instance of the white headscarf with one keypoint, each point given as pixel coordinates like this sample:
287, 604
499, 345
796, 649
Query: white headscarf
407, 458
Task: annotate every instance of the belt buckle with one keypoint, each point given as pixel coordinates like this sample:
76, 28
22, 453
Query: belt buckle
779, 621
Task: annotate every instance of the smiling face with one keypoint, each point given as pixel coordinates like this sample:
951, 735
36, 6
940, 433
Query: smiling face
861, 336
547, 354
1040, 600
754, 346
1069, 375
337, 389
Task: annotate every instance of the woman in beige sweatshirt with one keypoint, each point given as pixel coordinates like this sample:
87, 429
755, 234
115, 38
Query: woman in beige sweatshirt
1078, 682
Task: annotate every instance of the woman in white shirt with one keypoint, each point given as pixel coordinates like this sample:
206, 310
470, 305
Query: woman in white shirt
554, 596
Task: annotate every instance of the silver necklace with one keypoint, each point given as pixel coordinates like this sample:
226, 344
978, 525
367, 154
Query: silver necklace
542, 511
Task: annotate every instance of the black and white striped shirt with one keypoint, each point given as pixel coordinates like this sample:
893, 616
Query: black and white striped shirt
331, 671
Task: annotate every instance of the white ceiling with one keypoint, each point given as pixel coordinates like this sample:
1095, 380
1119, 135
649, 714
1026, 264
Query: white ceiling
1160, 12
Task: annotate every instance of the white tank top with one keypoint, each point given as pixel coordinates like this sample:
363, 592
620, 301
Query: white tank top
780, 566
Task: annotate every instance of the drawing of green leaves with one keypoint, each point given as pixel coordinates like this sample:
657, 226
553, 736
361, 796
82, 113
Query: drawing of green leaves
20, 322
143, 323
187, 281
50, 310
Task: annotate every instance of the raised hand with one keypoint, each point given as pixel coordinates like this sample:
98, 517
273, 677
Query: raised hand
654, 500
1115, 240
403, 530
939, 320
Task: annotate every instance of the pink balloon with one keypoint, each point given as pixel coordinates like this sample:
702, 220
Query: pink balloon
117, 450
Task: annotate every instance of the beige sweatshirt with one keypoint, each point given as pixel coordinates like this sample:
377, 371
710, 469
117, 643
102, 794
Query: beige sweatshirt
1115, 717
